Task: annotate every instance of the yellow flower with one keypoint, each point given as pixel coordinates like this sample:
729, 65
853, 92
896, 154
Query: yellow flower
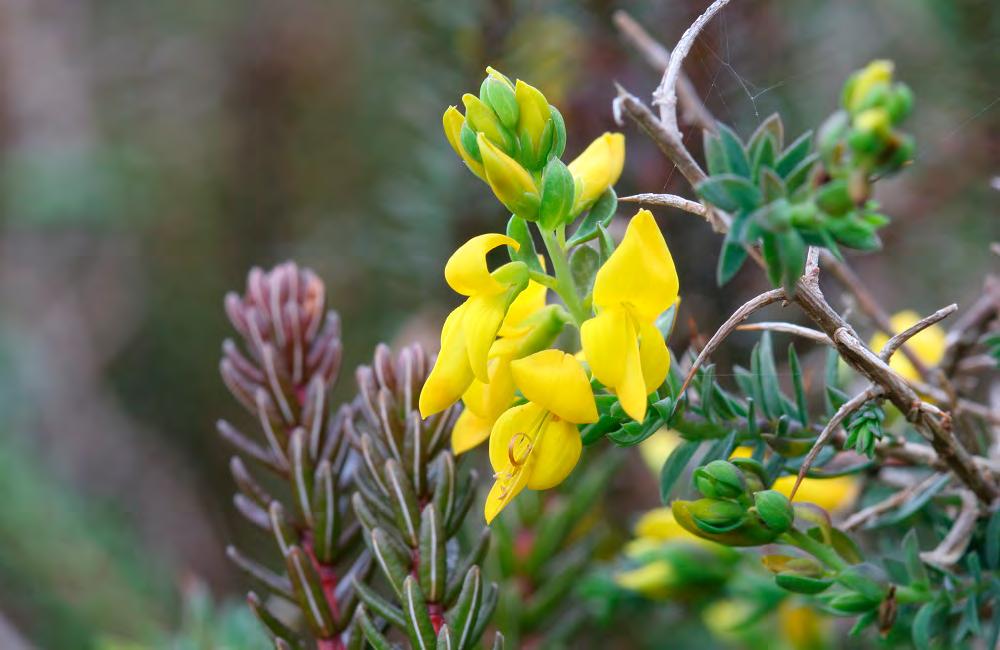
469, 331
653, 579
453, 121
801, 626
511, 182
638, 282
657, 448
483, 120
876, 73
536, 445
528, 327
928, 345
597, 169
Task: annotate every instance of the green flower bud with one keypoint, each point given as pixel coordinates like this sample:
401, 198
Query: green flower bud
558, 133
558, 191
899, 103
802, 584
720, 480
482, 119
753, 472
714, 516
499, 95
775, 510
801, 566
834, 198
853, 603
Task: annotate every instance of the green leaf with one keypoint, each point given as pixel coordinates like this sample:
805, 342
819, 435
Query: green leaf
771, 186
914, 504
793, 156
583, 264
559, 133
379, 605
992, 550
771, 127
734, 252
419, 628
772, 257
432, 572
462, 617
674, 467
632, 433
800, 174
729, 192
517, 229
766, 373
914, 565
924, 625
736, 155
372, 633
762, 157
798, 385
715, 154
793, 259
607, 243
600, 214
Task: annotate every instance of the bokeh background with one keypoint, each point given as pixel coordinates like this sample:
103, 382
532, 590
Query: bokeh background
153, 151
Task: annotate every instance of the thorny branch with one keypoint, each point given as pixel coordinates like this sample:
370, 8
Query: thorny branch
931, 423
848, 407
667, 200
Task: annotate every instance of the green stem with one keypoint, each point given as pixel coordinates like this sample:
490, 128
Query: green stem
908, 595
565, 286
820, 551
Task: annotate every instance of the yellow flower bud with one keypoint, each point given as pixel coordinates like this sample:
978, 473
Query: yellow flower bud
597, 169
534, 115
482, 119
875, 74
873, 120
453, 121
511, 182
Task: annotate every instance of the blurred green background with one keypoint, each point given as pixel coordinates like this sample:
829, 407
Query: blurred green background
153, 151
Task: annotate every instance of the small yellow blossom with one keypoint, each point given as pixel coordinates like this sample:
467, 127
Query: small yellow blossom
928, 345
652, 580
528, 327
537, 444
625, 350
534, 114
877, 73
597, 169
470, 330
453, 121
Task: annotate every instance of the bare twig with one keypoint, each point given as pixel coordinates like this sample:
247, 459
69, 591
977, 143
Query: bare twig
787, 328
952, 547
848, 407
669, 201
657, 56
868, 305
727, 328
872, 511
893, 344
665, 96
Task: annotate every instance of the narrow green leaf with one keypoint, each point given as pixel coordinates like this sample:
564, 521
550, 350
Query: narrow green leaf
600, 214
583, 263
992, 550
380, 605
914, 504
462, 617
674, 467
734, 251
730, 192
793, 156
394, 567
715, 154
911, 554
402, 500
375, 638
736, 155
419, 628
518, 230
798, 385
432, 571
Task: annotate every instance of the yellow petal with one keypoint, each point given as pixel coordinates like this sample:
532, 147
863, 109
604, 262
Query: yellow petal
876, 73
653, 355
480, 322
489, 400
502, 493
928, 345
828, 493
534, 111
511, 182
513, 434
597, 168
659, 525
558, 383
466, 271
555, 454
529, 301
652, 579
453, 121
605, 340
451, 374
657, 448
483, 120
537, 332
632, 391
640, 272
470, 430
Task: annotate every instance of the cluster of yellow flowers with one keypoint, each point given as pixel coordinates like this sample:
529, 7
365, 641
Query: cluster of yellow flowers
526, 397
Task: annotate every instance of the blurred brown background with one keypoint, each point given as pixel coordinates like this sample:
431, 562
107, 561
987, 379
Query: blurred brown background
153, 151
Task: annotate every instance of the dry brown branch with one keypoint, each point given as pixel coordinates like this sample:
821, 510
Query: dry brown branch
787, 328
693, 110
669, 201
848, 407
896, 341
952, 547
727, 328
665, 95
863, 516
